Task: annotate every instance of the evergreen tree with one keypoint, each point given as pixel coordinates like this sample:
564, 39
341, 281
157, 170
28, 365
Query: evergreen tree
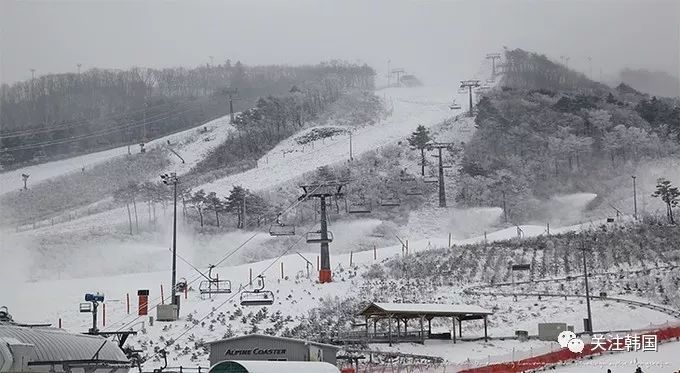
216, 205
419, 140
199, 200
669, 194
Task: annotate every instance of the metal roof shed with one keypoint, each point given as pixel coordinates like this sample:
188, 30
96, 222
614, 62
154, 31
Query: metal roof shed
258, 366
50, 347
403, 312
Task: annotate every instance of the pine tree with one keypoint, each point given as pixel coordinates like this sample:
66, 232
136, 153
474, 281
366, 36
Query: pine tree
419, 140
669, 194
199, 202
216, 205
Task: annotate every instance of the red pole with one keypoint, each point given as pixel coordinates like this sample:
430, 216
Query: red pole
282, 270
350, 258
128, 302
103, 314
60, 323
162, 296
318, 265
375, 253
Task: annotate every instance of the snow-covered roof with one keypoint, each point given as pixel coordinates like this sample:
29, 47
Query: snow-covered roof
57, 345
284, 339
261, 366
427, 309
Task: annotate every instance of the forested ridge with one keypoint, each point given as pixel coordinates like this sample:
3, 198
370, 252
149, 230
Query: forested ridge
549, 130
75, 113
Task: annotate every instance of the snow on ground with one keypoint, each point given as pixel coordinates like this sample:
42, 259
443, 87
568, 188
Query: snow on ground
192, 148
412, 106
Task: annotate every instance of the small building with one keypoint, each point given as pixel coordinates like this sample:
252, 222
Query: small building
403, 313
42, 349
270, 348
251, 366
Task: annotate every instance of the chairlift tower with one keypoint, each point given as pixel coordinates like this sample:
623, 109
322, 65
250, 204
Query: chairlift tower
469, 84
442, 191
323, 237
493, 57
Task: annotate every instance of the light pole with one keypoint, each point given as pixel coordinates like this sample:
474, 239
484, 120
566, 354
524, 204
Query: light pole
173, 180
589, 325
634, 198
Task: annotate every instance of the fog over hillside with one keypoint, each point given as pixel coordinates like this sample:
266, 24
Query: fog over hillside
339, 186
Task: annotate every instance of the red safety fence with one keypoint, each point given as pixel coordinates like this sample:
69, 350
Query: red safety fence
564, 355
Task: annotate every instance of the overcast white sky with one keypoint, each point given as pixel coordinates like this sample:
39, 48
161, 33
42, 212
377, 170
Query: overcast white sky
431, 38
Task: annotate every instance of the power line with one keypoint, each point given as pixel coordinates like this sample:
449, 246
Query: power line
83, 122
157, 118
222, 260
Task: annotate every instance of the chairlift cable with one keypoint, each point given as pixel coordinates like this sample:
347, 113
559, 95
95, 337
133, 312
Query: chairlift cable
224, 258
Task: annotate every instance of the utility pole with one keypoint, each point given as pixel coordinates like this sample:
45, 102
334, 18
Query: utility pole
351, 158
505, 209
32, 74
321, 192
589, 324
172, 179
79, 65
493, 57
442, 189
469, 84
634, 198
231, 92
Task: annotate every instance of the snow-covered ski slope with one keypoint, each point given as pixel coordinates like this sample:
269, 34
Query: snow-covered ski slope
191, 144
61, 297
426, 106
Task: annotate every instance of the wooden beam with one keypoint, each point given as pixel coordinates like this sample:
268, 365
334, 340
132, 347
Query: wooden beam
389, 328
460, 328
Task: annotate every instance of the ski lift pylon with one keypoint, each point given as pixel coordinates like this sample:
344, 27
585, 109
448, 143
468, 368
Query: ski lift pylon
257, 297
